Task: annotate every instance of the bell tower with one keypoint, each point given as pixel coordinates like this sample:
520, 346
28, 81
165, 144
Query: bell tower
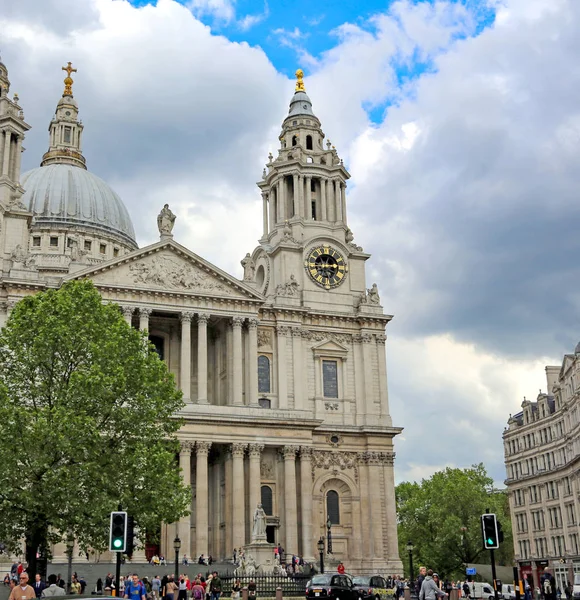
307, 256
12, 130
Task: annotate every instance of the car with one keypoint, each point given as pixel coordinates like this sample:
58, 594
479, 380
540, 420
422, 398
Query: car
371, 587
331, 585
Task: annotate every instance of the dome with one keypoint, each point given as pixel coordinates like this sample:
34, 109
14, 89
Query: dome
300, 105
65, 195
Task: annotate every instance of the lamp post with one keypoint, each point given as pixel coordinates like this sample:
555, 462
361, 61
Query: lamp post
176, 547
70, 544
328, 536
410, 549
320, 545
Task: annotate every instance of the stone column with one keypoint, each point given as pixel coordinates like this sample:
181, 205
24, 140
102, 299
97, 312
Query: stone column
306, 501
17, 158
367, 340
185, 522
290, 516
144, 314
6, 160
128, 313
238, 496
281, 201
255, 492
309, 197
382, 368
3, 315
296, 195
202, 320
237, 356
265, 214
375, 468
389, 491
323, 209
185, 364
281, 360
298, 368
337, 199
272, 200
252, 360
229, 362
359, 380
343, 202
301, 196
201, 498
366, 493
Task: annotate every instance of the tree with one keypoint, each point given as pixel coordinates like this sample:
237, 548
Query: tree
87, 422
442, 517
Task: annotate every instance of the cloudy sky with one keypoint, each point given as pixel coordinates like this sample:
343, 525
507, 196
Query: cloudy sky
459, 122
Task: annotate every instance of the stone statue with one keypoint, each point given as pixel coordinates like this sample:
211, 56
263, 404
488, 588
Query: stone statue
18, 254
165, 221
373, 295
249, 267
259, 527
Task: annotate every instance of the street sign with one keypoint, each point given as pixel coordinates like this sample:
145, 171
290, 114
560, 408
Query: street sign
471, 571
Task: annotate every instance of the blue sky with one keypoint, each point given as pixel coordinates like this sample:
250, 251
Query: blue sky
299, 32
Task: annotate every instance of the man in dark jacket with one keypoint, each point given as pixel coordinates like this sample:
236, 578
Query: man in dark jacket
419, 582
548, 585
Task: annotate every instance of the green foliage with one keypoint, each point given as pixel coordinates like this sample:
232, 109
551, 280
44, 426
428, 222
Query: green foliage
86, 422
441, 516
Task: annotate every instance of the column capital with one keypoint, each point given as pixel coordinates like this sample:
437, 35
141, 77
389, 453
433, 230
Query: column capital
202, 447
306, 452
238, 449
296, 332
202, 318
377, 458
186, 446
186, 317
289, 452
237, 322
253, 323
145, 312
381, 338
128, 310
366, 338
283, 330
255, 450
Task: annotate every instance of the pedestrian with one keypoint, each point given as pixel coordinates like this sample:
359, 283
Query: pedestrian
182, 591
429, 588
155, 587
53, 589
197, 591
215, 586
548, 585
340, 568
23, 591
99, 587
170, 588
235, 555
420, 578
38, 585
466, 590
252, 590
236, 589
75, 586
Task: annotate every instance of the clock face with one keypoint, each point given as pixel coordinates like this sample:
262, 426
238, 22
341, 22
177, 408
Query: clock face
326, 266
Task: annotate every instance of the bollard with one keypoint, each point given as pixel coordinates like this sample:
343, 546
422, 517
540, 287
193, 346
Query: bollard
245, 593
278, 593
454, 594
407, 593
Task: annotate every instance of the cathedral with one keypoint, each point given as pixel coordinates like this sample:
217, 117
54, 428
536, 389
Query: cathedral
283, 372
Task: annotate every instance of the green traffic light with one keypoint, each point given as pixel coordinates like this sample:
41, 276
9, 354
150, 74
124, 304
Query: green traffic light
117, 543
489, 541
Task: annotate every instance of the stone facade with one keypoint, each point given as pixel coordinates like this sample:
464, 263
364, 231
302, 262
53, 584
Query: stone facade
283, 373
542, 449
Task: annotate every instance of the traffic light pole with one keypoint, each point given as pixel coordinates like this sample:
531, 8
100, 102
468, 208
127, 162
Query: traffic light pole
493, 574
118, 575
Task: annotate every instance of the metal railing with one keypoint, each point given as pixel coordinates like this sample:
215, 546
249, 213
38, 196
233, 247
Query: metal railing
266, 585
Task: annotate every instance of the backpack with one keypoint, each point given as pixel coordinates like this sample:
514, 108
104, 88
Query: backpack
197, 594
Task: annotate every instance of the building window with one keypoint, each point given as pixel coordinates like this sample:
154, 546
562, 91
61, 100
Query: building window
330, 378
88, 245
264, 386
313, 210
294, 140
159, 344
266, 499
103, 248
115, 252
53, 241
36, 241
67, 135
332, 507
308, 142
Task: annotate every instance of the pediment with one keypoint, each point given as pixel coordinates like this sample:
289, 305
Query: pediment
168, 267
566, 363
330, 348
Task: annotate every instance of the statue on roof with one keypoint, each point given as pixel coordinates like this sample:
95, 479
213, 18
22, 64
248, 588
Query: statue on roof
166, 221
300, 81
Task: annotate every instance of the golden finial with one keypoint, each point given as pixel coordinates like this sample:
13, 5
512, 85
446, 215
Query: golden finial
68, 80
300, 81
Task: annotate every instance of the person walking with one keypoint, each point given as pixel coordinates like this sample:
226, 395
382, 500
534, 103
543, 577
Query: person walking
170, 588
429, 588
155, 587
23, 591
182, 592
236, 590
38, 586
215, 586
53, 589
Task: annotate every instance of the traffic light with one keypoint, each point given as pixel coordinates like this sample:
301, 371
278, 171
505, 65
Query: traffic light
118, 532
130, 536
490, 532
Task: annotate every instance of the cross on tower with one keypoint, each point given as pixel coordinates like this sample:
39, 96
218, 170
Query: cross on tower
68, 79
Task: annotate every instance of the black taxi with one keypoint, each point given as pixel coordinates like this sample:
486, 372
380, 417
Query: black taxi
331, 585
371, 587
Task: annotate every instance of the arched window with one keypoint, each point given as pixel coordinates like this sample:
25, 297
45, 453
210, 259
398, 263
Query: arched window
266, 498
308, 142
332, 507
294, 140
263, 374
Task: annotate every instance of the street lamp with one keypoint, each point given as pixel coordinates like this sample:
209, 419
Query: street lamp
176, 547
410, 549
320, 545
70, 544
329, 535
